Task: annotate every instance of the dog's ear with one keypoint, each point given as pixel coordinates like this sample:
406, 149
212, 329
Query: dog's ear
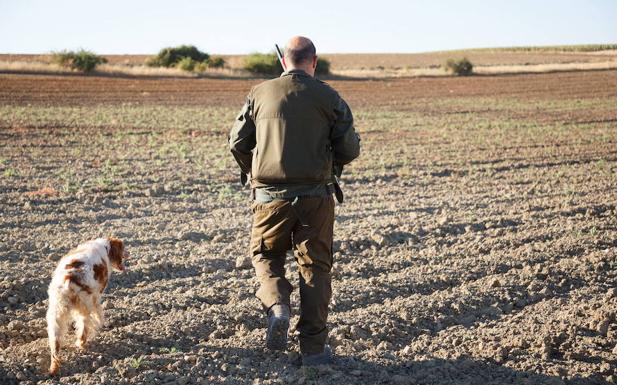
116, 253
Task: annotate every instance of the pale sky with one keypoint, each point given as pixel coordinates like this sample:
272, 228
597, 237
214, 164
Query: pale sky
239, 26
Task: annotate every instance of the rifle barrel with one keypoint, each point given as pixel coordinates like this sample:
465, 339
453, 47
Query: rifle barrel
279, 55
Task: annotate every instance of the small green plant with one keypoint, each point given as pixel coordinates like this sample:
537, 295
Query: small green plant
171, 350
71, 183
104, 181
171, 56
459, 67
135, 363
601, 165
82, 60
10, 172
225, 193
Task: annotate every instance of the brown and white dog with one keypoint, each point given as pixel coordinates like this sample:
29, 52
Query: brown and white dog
75, 292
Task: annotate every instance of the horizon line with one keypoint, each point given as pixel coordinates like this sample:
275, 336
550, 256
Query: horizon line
342, 53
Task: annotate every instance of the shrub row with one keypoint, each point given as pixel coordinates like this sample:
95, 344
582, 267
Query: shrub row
189, 58
268, 64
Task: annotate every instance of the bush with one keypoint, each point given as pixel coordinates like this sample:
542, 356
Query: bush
187, 64
170, 56
460, 67
323, 67
201, 67
263, 64
81, 60
216, 62
268, 64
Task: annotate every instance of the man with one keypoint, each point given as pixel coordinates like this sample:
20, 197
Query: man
289, 136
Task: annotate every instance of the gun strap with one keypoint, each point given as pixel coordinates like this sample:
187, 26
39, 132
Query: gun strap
336, 189
338, 193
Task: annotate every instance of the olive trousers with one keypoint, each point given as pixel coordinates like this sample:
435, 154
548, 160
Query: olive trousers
306, 225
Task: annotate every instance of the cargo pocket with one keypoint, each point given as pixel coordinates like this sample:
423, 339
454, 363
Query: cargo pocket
270, 231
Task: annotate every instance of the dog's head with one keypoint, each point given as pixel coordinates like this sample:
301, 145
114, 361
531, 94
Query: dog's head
117, 254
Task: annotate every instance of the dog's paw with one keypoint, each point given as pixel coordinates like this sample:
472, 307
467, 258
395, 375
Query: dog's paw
81, 345
54, 367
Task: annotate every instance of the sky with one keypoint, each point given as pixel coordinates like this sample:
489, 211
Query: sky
240, 27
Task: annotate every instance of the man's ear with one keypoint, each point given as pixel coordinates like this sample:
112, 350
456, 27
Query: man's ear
315, 62
284, 64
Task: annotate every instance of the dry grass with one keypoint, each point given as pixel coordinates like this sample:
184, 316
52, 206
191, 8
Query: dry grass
113, 69
481, 70
117, 69
543, 68
27, 66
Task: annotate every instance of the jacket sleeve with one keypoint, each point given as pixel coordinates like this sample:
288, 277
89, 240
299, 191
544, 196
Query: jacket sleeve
345, 140
242, 138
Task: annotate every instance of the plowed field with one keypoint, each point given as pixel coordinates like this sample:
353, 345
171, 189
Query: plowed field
477, 243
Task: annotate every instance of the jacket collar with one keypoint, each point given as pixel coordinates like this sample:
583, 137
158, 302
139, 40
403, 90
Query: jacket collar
295, 71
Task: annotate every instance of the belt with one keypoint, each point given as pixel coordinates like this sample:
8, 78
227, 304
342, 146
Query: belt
263, 197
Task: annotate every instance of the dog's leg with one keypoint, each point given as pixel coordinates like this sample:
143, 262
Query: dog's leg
82, 331
97, 316
56, 329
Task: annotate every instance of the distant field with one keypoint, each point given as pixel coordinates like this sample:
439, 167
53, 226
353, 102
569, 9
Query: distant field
556, 48
479, 58
489, 60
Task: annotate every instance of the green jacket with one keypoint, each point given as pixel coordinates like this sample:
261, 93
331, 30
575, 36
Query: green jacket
291, 132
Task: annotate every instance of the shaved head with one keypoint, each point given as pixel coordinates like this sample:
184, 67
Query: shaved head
300, 50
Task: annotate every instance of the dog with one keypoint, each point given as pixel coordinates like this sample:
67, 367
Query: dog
75, 292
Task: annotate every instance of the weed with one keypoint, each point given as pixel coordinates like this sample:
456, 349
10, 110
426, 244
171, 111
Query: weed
70, 182
10, 172
570, 191
171, 350
602, 166
224, 193
181, 150
136, 363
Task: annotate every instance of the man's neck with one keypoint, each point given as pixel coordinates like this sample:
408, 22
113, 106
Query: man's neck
290, 69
